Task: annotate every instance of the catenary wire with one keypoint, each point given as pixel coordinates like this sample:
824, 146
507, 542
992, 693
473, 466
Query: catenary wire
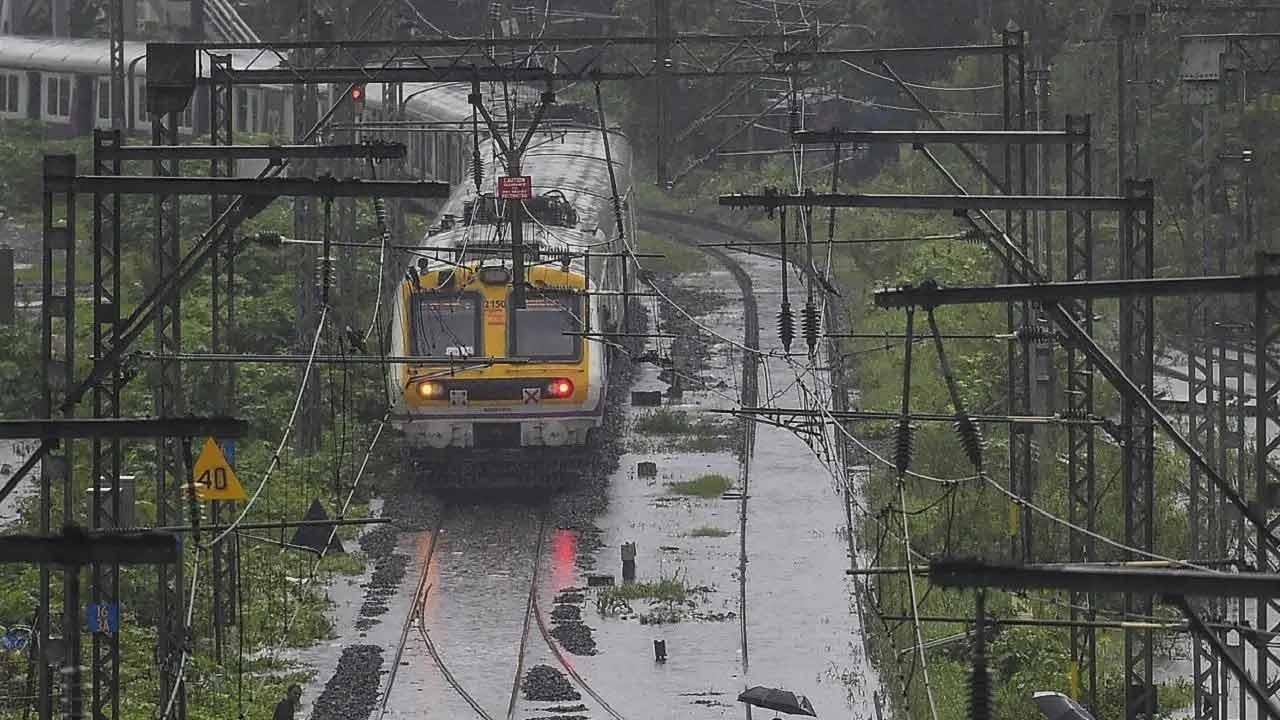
293, 416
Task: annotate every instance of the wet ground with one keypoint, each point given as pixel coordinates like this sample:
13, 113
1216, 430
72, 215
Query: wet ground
800, 630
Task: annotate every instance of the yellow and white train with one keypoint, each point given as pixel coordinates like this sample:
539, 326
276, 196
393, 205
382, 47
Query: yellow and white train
488, 393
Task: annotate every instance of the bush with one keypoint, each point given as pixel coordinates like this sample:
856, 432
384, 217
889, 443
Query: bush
710, 485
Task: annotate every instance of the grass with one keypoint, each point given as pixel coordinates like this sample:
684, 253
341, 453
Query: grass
671, 590
710, 485
678, 258
709, 531
665, 422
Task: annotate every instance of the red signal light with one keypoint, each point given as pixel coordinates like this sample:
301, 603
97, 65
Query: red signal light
560, 388
357, 98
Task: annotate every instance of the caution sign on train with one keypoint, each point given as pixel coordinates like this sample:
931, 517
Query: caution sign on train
213, 477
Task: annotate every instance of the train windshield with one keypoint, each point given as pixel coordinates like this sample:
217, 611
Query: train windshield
542, 324
446, 325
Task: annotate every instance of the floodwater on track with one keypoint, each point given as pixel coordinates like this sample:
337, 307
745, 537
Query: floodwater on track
476, 593
802, 632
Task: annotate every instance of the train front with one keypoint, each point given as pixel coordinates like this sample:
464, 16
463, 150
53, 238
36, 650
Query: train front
486, 388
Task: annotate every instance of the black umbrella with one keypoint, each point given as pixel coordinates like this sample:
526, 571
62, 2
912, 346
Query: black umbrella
783, 701
1056, 706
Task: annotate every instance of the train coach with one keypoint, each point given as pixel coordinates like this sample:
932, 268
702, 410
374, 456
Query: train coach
494, 394
65, 84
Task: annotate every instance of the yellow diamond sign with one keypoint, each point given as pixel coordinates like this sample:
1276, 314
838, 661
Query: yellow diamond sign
213, 476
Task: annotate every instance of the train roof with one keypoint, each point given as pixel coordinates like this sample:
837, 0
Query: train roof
91, 55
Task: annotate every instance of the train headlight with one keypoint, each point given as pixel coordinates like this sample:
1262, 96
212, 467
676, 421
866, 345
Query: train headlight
430, 390
560, 388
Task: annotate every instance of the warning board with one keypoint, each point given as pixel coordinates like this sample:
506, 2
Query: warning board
213, 476
516, 187
103, 619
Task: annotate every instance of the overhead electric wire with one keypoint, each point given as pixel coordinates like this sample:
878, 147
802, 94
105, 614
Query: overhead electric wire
186, 650
920, 86
293, 416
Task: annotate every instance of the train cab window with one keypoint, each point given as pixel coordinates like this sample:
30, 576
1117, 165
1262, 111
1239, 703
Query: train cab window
57, 96
542, 324
446, 325
10, 98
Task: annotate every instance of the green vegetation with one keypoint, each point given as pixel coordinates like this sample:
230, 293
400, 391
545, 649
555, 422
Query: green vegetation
678, 258
710, 485
279, 611
684, 432
669, 590
709, 531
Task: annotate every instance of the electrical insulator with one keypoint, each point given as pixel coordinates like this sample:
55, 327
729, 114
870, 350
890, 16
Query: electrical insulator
903, 446
380, 211
357, 98
326, 266
970, 439
811, 325
1038, 334
786, 326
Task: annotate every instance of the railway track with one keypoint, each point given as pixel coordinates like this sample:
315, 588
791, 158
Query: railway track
417, 636
416, 623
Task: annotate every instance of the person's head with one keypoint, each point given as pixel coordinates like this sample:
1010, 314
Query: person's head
295, 693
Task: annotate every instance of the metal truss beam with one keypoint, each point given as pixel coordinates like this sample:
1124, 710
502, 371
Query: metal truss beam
1081, 504
108, 456
915, 416
300, 359
1256, 688
171, 470
57, 373
252, 187
490, 74
123, 428
937, 202
1204, 516
1137, 353
931, 295
926, 137
221, 324
941, 51
77, 547
1199, 583
1266, 440
376, 150
482, 44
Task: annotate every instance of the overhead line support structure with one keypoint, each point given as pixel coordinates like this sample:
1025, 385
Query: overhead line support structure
1081, 453
222, 324
1173, 585
1216, 73
107, 454
1136, 209
57, 374
172, 462
113, 335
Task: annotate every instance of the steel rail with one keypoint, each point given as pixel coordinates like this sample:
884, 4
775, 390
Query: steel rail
529, 611
419, 596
